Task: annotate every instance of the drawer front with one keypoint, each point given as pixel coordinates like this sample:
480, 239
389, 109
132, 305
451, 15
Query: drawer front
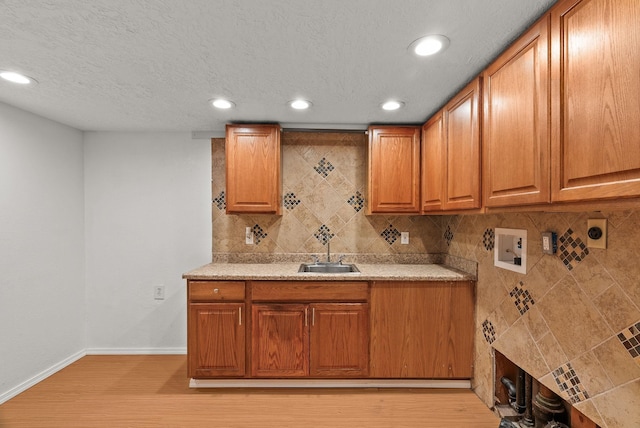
307, 291
212, 291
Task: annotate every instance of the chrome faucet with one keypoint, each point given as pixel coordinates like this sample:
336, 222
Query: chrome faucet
328, 238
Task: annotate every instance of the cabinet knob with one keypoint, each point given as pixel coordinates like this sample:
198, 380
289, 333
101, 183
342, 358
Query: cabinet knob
216, 290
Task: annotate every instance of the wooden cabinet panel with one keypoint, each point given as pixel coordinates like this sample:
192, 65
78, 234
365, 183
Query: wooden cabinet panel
394, 170
208, 291
306, 291
216, 340
339, 340
434, 170
516, 135
253, 180
595, 107
280, 340
463, 149
421, 330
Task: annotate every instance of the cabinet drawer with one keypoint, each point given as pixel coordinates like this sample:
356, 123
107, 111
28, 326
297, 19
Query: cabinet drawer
207, 291
306, 291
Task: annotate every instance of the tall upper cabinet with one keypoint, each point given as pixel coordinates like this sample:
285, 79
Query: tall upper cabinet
595, 99
394, 170
253, 169
451, 154
516, 136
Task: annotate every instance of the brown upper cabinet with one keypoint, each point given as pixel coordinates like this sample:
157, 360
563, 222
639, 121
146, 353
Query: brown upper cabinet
516, 136
394, 170
253, 180
595, 99
451, 154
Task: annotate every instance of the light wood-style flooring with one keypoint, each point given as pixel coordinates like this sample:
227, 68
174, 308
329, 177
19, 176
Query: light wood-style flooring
153, 391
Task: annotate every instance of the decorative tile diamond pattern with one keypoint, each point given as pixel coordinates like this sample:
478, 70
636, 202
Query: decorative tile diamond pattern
568, 382
220, 201
489, 331
258, 234
630, 339
390, 234
571, 249
356, 201
521, 298
448, 235
324, 234
291, 201
489, 239
324, 167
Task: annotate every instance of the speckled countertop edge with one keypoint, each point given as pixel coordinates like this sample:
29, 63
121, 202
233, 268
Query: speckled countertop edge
377, 268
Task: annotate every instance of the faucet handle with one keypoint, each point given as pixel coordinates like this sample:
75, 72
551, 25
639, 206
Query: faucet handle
340, 257
315, 258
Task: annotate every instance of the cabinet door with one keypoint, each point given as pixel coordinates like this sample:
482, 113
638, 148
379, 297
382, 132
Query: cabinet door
419, 330
434, 167
595, 107
339, 340
463, 149
516, 135
280, 340
394, 170
216, 340
253, 169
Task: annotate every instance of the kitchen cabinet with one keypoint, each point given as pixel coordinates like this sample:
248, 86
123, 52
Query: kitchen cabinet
434, 171
594, 91
216, 330
393, 166
451, 155
292, 336
462, 130
317, 340
516, 134
253, 176
422, 329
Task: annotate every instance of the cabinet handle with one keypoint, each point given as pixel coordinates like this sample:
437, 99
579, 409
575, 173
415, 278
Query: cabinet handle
240, 315
306, 317
313, 317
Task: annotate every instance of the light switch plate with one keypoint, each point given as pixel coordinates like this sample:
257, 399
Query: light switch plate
602, 241
404, 237
248, 236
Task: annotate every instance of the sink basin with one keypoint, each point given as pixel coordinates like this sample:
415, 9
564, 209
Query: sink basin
328, 268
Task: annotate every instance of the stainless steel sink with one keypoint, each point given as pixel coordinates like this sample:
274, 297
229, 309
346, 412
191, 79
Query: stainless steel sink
328, 268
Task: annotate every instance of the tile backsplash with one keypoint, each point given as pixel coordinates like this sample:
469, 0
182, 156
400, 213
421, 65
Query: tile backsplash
572, 321
324, 188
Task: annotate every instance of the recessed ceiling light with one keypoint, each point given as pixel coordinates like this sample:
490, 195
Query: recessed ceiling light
429, 45
300, 104
392, 105
14, 77
223, 104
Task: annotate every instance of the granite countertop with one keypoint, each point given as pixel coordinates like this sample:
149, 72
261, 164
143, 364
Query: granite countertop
289, 271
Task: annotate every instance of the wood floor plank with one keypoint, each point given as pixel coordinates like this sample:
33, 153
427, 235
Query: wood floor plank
152, 391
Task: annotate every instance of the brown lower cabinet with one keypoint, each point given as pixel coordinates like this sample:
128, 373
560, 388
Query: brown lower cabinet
330, 329
422, 329
317, 340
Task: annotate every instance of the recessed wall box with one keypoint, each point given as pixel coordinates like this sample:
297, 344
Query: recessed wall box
510, 250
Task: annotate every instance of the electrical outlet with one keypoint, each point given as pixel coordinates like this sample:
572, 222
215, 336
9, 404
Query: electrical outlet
158, 292
248, 236
597, 233
404, 237
549, 242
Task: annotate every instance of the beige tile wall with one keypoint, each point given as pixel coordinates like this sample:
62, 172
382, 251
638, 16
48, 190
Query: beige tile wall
571, 316
323, 177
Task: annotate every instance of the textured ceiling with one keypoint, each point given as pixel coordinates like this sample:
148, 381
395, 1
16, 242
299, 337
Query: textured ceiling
154, 64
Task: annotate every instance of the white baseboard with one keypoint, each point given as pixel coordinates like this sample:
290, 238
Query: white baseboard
6, 396
136, 351
330, 383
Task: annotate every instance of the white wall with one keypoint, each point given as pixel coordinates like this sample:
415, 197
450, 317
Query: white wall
148, 220
41, 248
